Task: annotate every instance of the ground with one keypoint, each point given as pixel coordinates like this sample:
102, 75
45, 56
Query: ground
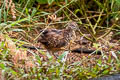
80, 42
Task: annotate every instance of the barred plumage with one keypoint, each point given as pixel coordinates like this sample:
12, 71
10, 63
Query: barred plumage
54, 39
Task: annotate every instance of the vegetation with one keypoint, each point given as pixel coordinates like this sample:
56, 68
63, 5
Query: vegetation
22, 20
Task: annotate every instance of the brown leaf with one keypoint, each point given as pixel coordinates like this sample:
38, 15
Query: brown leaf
54, 18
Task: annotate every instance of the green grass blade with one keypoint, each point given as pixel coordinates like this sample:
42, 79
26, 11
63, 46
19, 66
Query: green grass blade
0, 15
16, 22
5, 16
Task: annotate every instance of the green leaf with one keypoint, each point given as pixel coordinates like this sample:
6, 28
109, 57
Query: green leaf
13, 72
50, 1
43, 13
2, 66
118, 2
5, 16
42, 1
99, 4
118, 52
106, 71
62, 56
0, 15
96, 45
99, 62
16, 22
118, 33
33, 12
2, 44
26, 11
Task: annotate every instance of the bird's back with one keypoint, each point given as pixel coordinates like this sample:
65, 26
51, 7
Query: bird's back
53, 38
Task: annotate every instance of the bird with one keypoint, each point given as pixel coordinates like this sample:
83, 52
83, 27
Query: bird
55, 40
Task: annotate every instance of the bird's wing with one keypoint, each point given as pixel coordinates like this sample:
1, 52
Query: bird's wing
53, 38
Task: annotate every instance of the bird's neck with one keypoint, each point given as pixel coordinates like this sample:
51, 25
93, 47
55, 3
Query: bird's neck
69, 29
68, 33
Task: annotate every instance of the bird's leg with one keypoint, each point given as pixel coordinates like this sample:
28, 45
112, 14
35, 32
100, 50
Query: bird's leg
54, 54
72, 40
69, 46
74, 37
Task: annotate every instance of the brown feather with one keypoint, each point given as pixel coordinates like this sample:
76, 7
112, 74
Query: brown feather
54, 39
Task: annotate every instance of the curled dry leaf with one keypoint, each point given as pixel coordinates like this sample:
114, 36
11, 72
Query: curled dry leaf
10, 3
54, 18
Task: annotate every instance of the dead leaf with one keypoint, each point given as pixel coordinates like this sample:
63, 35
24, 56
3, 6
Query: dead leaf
54, 18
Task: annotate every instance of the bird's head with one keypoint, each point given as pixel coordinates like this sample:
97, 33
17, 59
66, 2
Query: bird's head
72, 25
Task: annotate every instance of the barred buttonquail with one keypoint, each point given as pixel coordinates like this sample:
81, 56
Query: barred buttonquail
54, 39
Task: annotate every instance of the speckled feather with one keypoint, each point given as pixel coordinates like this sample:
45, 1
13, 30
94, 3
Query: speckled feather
54, 39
